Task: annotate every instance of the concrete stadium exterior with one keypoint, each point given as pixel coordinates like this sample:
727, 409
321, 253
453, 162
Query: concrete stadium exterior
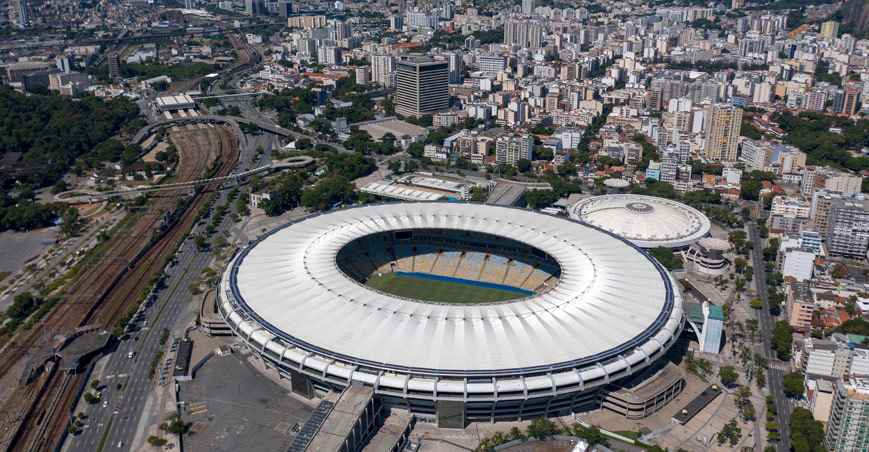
614, 312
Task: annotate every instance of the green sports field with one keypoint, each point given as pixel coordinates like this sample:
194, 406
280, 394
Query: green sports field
437, 291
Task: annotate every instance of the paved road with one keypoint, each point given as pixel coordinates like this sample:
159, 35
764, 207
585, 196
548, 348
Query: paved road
119, 420
774, 373
126, 405
253, 114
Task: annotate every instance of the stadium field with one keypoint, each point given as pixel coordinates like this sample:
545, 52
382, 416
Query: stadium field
442, 289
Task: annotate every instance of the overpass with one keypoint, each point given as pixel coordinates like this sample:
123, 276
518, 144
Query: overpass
84, 197
210, 119
224, 96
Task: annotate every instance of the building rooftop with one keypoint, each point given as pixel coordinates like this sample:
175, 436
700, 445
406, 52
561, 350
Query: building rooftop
620, 296
182, 359
401, 192
647, 221
340, 421
715, 312
697, 404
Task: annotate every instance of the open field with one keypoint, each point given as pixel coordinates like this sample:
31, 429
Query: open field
439, 291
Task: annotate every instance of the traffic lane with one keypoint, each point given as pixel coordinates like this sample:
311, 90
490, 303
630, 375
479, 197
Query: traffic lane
776, 376
143, 384
187, 259
119, 364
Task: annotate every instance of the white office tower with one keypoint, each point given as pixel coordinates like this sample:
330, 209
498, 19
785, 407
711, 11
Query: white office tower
723, 124
62, 62
491, 64
848, 427
396, 22
417, 20
363, 75
342, 30
329, 55
456, 67
523, 33
423, 86
382, 68
848, 228
762, 93
511, 149
20, 10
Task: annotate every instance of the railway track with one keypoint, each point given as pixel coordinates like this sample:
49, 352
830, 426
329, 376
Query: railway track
102, 295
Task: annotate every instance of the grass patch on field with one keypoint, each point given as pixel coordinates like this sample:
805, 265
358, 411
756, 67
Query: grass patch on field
437, 291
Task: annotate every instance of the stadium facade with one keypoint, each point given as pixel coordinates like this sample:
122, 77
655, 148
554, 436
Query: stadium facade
647, 221
608, 312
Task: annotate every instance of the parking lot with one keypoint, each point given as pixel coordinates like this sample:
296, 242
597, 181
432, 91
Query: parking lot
234, 407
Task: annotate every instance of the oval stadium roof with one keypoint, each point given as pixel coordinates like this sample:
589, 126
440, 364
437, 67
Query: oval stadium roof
647, 221
612, 300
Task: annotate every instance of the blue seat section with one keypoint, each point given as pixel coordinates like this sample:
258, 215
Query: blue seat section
487, 285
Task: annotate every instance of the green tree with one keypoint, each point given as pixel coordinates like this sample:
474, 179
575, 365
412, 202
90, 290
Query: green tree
782, 339
728, 375
667, 258
807, 434
538, 199
59, 187
174, 424
591, 434
327, 192
730, 433
71, 222
542, 428
156, 441
793, 384
285, 195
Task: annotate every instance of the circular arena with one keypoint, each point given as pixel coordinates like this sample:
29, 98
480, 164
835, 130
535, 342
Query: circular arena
459, 311
647, 221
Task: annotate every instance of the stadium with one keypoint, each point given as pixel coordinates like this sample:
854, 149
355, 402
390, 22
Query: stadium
462, 312
647, 221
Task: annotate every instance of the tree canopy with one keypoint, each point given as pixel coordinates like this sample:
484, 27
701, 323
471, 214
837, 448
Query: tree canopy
810, 131
328, 192
782, 339
807, 434
52, 132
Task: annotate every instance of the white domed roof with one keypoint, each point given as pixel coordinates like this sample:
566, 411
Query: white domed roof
616, 183
647, 221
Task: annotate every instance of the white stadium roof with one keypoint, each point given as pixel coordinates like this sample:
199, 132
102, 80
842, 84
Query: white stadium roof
647, 221
613, 304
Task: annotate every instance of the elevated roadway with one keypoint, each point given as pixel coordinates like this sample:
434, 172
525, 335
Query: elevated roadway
210, 119
84, 197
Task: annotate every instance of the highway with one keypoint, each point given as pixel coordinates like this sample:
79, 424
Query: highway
774, 373
120, 419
